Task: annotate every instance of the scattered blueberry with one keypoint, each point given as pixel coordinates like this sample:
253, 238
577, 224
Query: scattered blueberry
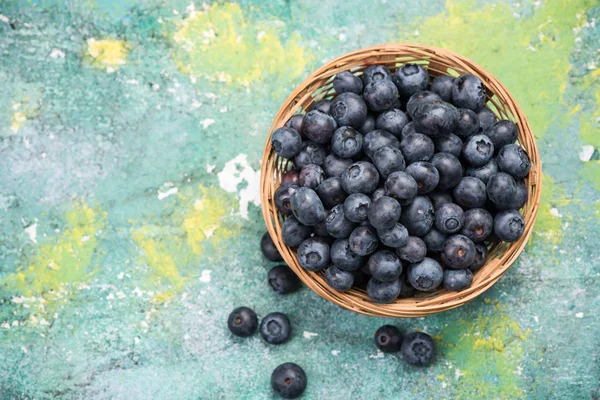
313, 254
268, 248
502, 133
417, 147
307, 207
346, 82
468, 92
336, 223
383, 292
293, 232
311, 176
501, 188
349, 109
384, 213
283, 280
413, 251
335, 165
425, 275
286, 142
356, 207
385, 266
436, 118
418, 349
343, 257
434, 240
470, 192
396, 236
425, 174
410, 79
449, 168
360, 177
401, 186
442, 85
346, 142
288, 380
478, 150
392, 121
513, 160
509, 225
448, 144
478, 224
388, 339
456, 280
275, 328
458, 252
376, 73
484, 172
419, 98
380, 95
310, 153
242, 322
363, 240
449, 218
338, 279
318, 126
418, 217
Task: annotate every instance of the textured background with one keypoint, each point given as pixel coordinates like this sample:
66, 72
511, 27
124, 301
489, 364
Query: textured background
131, 134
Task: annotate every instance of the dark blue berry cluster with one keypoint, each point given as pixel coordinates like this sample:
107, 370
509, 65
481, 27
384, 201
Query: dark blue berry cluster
417, 348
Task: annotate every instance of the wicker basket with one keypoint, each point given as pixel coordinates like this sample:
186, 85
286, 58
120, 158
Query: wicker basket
438, 61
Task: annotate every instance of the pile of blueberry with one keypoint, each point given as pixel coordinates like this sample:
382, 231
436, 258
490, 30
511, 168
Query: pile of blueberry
400, 182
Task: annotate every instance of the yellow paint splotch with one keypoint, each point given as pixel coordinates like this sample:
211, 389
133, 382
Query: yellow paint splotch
18, 119
108, 54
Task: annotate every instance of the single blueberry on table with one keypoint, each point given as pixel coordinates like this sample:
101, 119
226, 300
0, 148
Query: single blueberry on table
487, 119
335, 165
434, 240
307, 207
513, 160
360, 177
283, 280
502, 133
442, 85
509, 225
392, 121
449, 169
368, 125
295, 122
418, 349
436, 118
282, 198
363, 240
290, 176
338, 279
322, 105
478, 224
501, 189
313, 254
311, 176
385, 266
478, 150
349, 109
356, 207
288, 380
318, 126
346, 142
413, 251
439, 198
470, 192
468, 123
468, 92
344, 258
456, 280
481, 253
337, 225
267, 247
425, 174
275, 328
376, 73
448, 144
384, 213
425, 275
418, 216
242, 322
310, 153
346, 82
417, 147
383, 292
396, 236
378, 138
484, 172
458, 252
449, 218
293, 232
401, 186
388, 339
330, 192
286, 142
381, 95
410, 79
407, 130
377, 194
419, 98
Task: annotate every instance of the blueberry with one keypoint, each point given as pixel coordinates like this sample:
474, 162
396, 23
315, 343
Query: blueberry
283, 280
413, 251
323, 105
448, 144
436, 118
349, 109
384, 265
310, 153
338, 279
320, 230
442, 85
336, 223
407, 290
486, 119
418, 349
307, 207
335, 165
363, 240
434, 240
513, 160
396, 236
295, 122
449, 169
293, 232
484, 172
449, 218
275, 328
313, 254
425, 275
290, 176
407, 130
377, 194
288, 380
478, 150
481, 253
311, 176
343, 257
456, 280
425, 174
509, 225
501, 189
380, 95
419, 98
282, 198
318, 126
268, 248
242, 322
392, 121
478, 224
368, 125
376, 73
356, 207
376, 139
346, 142
388, 339
417, 147
502, 133
418, 217
384, 213
440, 198
410, 79
330, 192
360, 177
468, 92
468, 123
286, 142
401, 186
383, 292
458, 251
470, 192
345, 82
520, 198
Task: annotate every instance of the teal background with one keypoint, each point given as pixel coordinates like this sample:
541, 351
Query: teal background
131, 134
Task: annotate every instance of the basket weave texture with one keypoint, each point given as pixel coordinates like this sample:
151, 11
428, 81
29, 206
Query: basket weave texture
438, 62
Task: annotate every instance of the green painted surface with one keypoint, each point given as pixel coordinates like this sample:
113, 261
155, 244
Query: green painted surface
130, 139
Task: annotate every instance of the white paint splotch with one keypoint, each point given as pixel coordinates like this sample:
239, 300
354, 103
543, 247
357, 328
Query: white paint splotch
237, 172
205, 277
586, 153
309, 335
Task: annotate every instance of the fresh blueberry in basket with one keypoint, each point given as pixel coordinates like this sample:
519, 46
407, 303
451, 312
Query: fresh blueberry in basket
346, 142
419, 98
388, 339
418, 349
295, 122
283, 280
435, 118
344, 258
425, 275
470, 192
337, 225
417, 147
449, 169
501, 189
275, 328
346, 82
378, 138
311, 176
396, 236
442, 85
318, 126
513, 160
368, 125
377, 194
356, 207
381, 95
313, 254
310, 153
502, 133
267, 247
349, 109
439, 198
383, 292
384, 213
290, 176
334, 165
392, 121
456, 280
487, 119
363, 240
520, 198
410, 79
478, 150
468, 123
458, 251
418, 216
323, 105
401, 186
376, 73
331, 193
407, 130
242, 322
320, 230
434, 240
293, 232
413, 251
307, 207
468, 92
448, 144
484, 172
282, 198
481, 253
288, 380
509, 225
286, 142
478, 224
360, 177
406, 290
425, 174
449, 218
338, 279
